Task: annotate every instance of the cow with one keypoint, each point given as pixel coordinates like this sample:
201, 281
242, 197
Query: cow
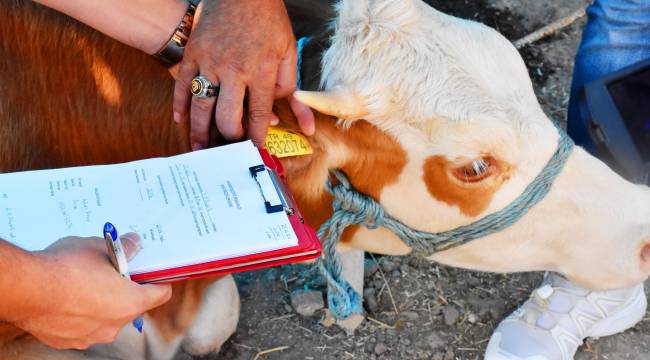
432, 116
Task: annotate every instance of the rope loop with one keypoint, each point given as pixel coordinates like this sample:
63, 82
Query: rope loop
354, 208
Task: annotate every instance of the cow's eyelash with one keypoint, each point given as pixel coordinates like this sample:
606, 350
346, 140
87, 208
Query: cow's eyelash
480, 166
476, 170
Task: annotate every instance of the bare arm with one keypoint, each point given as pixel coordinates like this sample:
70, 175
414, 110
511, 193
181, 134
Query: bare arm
69, 295
18, 277
142, 24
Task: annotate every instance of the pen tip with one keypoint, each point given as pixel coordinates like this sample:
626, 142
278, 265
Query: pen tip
138, 323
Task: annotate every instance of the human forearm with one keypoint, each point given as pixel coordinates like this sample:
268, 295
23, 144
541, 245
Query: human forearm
21, 283
69, 295
143, 24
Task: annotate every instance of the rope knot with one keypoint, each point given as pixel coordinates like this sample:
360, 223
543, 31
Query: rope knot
363, 208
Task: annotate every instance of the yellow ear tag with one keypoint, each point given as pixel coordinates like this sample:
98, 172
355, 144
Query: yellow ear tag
284, 143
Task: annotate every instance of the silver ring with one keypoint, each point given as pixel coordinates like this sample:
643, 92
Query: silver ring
202, 87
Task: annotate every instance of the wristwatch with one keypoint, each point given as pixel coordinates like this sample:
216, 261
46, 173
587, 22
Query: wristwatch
172, 52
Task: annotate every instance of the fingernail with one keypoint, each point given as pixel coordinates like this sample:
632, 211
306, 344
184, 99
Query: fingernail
196, 146
275, 121
177, 117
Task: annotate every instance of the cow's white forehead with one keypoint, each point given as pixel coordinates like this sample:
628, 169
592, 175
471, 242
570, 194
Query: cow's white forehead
411, 62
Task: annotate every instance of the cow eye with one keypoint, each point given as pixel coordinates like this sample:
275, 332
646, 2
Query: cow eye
476, 170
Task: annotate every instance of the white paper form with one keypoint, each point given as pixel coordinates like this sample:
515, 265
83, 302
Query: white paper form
188, 209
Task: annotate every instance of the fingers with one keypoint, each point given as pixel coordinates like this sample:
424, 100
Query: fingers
100, 335
229, 112
286, 82
260, 104
152, 296
104, 335
132, 244
187, 70
305, 116
200, 114
62, 343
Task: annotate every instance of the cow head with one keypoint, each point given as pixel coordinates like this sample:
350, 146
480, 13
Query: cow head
455, 97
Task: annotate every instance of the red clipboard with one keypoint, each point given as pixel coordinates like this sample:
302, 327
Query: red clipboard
308, 247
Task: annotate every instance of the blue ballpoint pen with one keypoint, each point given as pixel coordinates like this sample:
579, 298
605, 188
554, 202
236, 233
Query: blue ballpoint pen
118, 258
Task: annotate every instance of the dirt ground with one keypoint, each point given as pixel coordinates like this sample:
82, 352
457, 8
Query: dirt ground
418, 310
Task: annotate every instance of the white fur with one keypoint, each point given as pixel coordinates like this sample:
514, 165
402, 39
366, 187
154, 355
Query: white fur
216, 320
451, 87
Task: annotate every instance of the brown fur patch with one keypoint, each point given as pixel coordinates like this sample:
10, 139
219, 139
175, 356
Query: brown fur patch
470, 198
52, 113
369, 157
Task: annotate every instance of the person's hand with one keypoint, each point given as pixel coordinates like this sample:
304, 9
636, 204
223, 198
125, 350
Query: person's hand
247, 48
85, 300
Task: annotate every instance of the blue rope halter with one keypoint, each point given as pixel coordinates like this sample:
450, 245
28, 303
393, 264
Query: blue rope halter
300, 46
354, 208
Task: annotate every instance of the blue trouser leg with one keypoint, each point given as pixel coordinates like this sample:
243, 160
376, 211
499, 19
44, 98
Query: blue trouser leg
617, 34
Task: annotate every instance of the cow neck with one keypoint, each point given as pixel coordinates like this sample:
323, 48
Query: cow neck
371, 159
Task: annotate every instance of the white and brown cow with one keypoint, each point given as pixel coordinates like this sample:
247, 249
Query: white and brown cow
413, 101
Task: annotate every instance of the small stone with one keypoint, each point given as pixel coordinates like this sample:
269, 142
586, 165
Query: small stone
450, 314
409, 315
434, 341
307, 302
449, 355
370, 268
380, 348
388, 265
492, 308
371, 303
472, 318
437, 356
368, 291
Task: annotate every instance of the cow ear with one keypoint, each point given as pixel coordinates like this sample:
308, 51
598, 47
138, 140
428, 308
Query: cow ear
342, 104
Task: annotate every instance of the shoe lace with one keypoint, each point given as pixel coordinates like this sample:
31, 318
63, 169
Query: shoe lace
539, 305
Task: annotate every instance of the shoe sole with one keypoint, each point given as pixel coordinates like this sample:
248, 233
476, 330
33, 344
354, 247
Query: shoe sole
624, 319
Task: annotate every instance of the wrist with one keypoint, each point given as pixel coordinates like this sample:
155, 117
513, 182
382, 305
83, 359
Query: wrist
27, 283
171, 52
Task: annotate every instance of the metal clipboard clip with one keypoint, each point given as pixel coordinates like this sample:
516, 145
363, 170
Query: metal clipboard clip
274, 192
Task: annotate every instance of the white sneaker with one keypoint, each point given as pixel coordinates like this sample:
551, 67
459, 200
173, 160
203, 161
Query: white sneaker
559, 315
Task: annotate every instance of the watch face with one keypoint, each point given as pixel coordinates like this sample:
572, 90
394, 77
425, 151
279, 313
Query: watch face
631, 96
